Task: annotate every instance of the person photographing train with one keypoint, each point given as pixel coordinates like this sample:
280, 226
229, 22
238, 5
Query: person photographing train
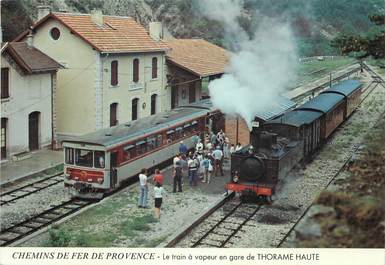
142, 201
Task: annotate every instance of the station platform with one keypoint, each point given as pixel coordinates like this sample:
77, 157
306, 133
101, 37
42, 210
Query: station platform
39, 161
216, 185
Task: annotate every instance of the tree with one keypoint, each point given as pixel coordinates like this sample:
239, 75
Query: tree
364, 45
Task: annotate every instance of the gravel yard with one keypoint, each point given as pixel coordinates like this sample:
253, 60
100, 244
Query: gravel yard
33, 204
118, 222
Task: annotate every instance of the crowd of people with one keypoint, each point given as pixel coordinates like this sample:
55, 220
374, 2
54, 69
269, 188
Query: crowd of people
201, 164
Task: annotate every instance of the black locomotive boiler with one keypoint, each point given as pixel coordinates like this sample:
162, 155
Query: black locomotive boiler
279, 144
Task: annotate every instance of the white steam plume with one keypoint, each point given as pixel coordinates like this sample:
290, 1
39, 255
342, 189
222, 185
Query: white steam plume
261, 66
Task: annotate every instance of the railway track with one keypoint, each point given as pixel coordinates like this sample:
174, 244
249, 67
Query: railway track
324, 85
219, 226
35, 223
26, 190
220, 233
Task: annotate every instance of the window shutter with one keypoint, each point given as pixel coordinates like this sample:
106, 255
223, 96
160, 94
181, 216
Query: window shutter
153, 104
136, 70
114, 73
154, 67
4, 82
134, 110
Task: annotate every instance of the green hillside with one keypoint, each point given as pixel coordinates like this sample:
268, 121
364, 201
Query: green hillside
314, 22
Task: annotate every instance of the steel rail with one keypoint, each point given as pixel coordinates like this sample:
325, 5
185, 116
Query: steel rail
41, 220
29, 192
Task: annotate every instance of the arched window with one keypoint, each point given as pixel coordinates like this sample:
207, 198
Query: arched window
153, 104
135, 71
134, 110
154, 67
114, 73
34, 130
113, 114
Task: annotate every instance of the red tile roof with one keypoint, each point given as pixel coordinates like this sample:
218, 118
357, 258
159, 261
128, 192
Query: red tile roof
198, 56
31, 60
116, 35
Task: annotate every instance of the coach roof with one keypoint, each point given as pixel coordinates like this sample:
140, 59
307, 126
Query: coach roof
297, 118
345, 87
323, 102
135, 130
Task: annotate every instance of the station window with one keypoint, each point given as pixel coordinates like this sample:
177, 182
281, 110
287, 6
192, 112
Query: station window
69, 155
83, 158
99, 160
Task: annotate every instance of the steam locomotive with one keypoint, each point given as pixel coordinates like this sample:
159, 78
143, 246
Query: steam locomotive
281, 143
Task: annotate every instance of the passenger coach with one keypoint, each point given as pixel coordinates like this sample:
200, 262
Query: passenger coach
99, 162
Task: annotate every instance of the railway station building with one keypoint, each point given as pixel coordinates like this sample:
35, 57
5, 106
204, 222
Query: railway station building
116, 71
28, 83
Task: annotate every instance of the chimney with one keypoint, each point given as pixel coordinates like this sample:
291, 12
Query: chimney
30, 40
97, 17
42, 11
156, 30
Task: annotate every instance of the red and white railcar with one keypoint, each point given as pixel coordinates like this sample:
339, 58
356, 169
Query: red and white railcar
100, 162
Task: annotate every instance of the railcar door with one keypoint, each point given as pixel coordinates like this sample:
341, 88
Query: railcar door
113, 169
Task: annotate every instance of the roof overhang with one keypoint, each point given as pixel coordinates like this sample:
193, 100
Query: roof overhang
200, 75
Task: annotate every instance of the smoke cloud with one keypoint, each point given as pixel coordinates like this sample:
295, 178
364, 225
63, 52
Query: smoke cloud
261, 66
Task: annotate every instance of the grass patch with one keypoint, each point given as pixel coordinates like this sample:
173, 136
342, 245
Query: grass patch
58, 237
316, 69
132, 226
103, 239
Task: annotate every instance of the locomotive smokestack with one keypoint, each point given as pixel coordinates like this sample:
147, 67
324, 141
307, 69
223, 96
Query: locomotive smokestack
255, 135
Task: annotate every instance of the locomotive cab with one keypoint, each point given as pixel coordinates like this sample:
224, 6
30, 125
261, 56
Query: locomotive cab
86, 170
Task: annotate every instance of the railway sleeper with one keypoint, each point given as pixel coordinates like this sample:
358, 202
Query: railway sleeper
226, 225
32, 225
42, 220
234, 221
8, 236
214, 234
21, 230
30, 189
216, 238
50, 216
80, 202
71, 207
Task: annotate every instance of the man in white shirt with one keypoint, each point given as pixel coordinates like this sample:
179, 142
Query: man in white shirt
142, 201
199, 147
217, 155
175, 161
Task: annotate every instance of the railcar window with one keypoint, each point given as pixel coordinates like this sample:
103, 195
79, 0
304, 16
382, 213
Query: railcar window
99, 160
151, 143
129, 152
170, 136
194, 126
140, 147
178, 133
159, 140
69, 155
83, 157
